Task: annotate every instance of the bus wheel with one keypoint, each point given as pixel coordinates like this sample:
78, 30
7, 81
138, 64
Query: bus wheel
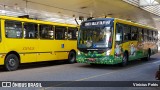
93, 64
124, 60
11, 62
72, 57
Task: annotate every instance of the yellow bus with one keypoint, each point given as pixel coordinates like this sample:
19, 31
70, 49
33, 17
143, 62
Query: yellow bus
24, 40
113, 41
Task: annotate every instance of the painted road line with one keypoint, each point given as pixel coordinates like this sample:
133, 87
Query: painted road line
99, 75
156, 61
95, 76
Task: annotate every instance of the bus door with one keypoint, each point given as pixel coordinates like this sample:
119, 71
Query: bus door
46, 44
133, 44
60, 48
71, 43
29, 43
22, 38
118, 40
2, 48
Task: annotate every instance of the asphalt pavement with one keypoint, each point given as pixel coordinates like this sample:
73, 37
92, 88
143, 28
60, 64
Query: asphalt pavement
59, 71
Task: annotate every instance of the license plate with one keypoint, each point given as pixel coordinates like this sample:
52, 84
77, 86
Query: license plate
91, 59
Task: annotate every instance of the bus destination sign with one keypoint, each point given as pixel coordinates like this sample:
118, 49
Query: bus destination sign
97, 23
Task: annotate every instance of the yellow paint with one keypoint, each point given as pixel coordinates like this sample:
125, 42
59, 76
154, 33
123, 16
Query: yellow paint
126, 45
35, 50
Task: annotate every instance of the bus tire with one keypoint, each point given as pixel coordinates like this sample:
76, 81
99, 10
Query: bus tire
124, 60
11, 62
71, 57
93, 64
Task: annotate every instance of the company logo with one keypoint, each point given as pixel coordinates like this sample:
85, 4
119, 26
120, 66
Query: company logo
6, 84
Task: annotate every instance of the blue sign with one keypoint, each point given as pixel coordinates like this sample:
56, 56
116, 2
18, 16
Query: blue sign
94, 45
62, 45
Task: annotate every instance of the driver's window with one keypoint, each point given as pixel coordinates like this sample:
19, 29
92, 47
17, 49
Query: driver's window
107, 33
119, 29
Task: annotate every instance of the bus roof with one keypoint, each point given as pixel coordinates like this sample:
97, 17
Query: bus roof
35, 21
134, 24
122, 21
99, 19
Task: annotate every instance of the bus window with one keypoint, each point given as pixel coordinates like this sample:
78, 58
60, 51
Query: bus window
13, 29
134, 33
126, 33
119, 33
151, 35
142, 34
72, 33
60, 33
140, 37
145, 35
148, 39
46, 31
154, 34
30, 30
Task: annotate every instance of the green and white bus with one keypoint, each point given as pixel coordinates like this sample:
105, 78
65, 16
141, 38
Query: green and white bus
113, 41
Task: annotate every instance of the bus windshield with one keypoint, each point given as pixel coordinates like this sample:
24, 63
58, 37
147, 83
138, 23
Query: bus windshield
95, 37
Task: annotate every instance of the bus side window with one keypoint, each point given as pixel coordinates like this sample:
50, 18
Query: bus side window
154, 36
157, 36
150, 35
60, 33
134, 33
30, 30
119, 31
140, 35
126, 33
46, 31
72, 33
148, 38
13, 29
145, 32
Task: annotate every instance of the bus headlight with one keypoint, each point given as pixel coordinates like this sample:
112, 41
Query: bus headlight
78, 52
108, 52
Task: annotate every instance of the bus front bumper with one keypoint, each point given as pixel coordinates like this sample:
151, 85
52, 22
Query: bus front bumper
99, 60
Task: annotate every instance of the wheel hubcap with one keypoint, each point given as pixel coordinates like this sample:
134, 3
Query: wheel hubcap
72, 57
12, 62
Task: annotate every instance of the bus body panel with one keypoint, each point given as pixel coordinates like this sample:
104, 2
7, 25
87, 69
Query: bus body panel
135, 49
35, 50
46, 50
